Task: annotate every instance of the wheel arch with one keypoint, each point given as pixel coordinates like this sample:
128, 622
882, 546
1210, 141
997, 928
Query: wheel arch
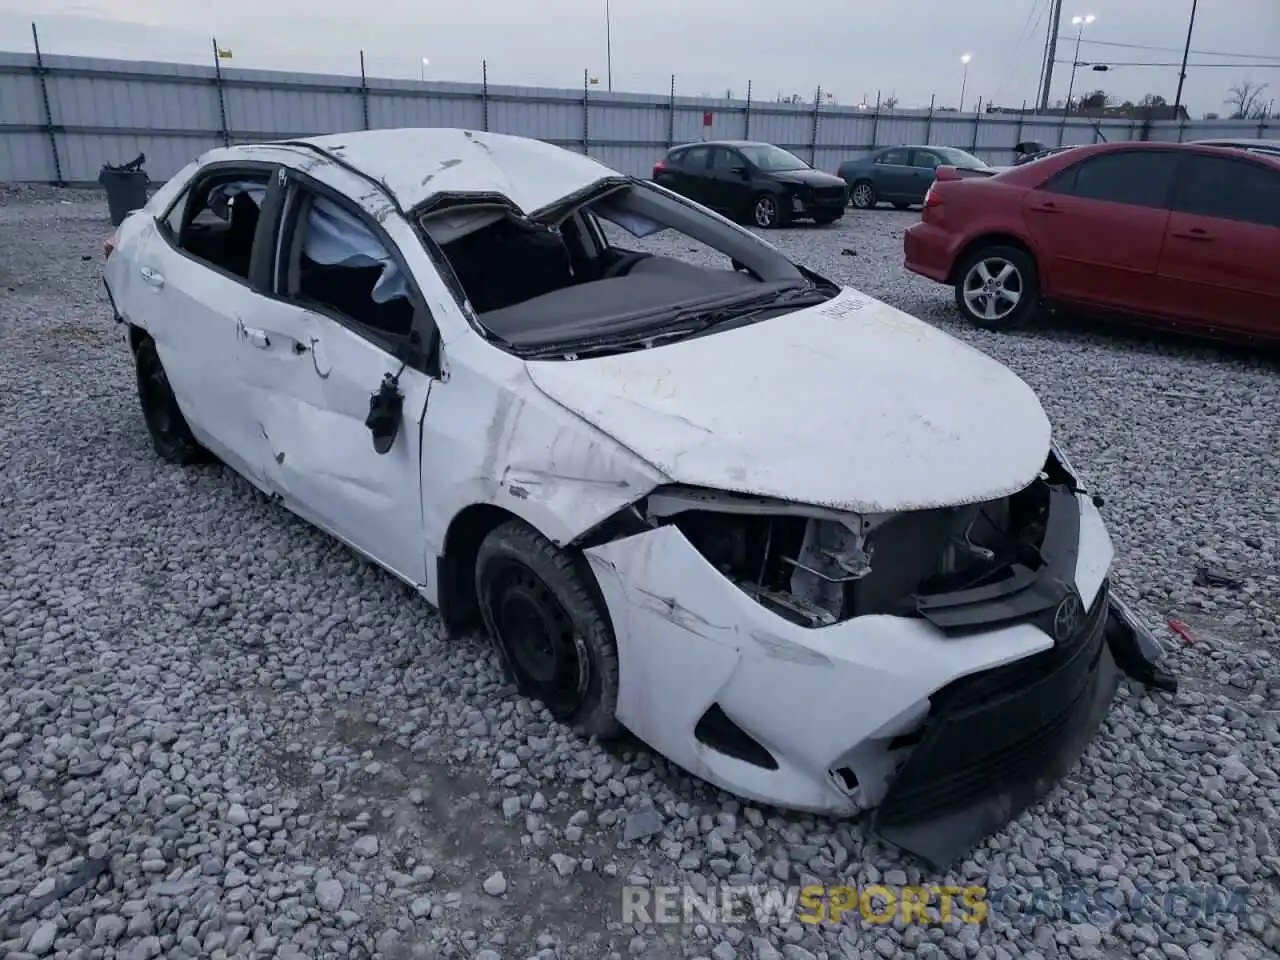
136, 337
993, 239
456, 598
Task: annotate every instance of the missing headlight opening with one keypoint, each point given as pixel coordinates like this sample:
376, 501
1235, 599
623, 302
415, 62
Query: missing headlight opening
818, 567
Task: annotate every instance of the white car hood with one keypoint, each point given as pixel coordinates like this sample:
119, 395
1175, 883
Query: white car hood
850, 404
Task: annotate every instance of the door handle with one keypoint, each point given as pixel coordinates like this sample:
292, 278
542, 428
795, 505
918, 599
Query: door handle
1195, 233
1046, 208
257, 337
151, 277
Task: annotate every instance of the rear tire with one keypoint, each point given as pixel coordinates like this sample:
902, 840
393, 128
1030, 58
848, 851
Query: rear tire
997, 287
863, 195
548, 629
169, 432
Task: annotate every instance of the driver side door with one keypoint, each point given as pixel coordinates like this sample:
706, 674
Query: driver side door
341, 314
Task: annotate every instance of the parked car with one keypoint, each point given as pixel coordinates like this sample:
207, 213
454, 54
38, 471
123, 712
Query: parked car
1166, 234
756, 182
422, 342
901, 175
1269, 147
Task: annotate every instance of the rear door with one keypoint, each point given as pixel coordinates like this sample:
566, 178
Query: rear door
894, 176
730, 183
1221, 259
694, 178
924, 166
1099, 227
193, 269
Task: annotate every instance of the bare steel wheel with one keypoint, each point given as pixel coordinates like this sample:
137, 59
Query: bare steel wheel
997, 287
548, 627
766, 213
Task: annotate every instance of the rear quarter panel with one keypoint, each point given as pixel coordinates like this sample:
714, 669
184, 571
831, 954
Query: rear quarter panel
977, 209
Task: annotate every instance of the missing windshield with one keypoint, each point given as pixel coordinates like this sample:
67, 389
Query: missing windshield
609, 270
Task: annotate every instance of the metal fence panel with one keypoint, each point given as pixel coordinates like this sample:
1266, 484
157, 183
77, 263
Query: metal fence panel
109, 110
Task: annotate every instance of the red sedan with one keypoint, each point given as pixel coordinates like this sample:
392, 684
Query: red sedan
1179, 235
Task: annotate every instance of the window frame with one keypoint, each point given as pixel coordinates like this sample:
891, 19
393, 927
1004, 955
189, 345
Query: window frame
1183, 177
199, 185
1064, 182
937, 158
686, 167
736, 159
285, 238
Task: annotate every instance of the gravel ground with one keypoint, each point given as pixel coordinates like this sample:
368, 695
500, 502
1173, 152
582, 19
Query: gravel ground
229, 736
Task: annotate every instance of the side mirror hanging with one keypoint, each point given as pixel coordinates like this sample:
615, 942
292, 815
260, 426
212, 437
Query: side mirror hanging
384, 413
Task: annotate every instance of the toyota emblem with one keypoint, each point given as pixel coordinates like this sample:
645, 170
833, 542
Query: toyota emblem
1067, 618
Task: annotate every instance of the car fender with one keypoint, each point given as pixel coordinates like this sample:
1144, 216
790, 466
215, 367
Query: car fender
491, 438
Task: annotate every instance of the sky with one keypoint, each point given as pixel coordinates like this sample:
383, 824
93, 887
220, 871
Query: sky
910, 49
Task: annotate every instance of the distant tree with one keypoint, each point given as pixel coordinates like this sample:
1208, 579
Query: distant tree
890, 102
1211, 116
1150, 100
1245, 100
1095, 100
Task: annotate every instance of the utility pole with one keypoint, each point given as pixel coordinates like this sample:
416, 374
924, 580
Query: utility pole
608, 45
1051, 54
1182, 75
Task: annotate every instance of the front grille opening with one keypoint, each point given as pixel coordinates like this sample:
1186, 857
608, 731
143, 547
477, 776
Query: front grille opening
721, 734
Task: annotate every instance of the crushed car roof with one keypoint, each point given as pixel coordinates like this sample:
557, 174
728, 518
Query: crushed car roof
418, 164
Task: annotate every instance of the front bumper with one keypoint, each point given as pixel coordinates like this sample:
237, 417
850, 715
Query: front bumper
831, 204
824, 713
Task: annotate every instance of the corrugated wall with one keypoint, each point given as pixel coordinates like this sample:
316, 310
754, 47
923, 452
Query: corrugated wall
109, 111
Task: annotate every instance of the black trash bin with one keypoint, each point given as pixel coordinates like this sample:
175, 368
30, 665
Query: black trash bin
126, 187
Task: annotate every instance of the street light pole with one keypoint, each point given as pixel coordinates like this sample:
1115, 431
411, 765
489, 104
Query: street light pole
1079, 23
608, 45
422, 69
1182, 74
964, 78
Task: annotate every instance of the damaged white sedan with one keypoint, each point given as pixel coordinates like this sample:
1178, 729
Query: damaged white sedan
811, 549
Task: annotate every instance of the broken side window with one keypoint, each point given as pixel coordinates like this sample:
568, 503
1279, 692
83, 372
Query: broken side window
340, 264
221, 226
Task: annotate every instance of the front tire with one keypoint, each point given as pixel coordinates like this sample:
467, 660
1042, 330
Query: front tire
997, 287
766, 212
863, 195
170, 435
548, 629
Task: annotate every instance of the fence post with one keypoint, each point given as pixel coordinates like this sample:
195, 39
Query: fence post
484, 95
1062, 127
364, 93
928, 124
977, 119
48, 112
875, 123
1262, 125
1022, 115
813, 135
586, 114
222, 100
1133, 127
1182, 127
671, 115
746, 130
